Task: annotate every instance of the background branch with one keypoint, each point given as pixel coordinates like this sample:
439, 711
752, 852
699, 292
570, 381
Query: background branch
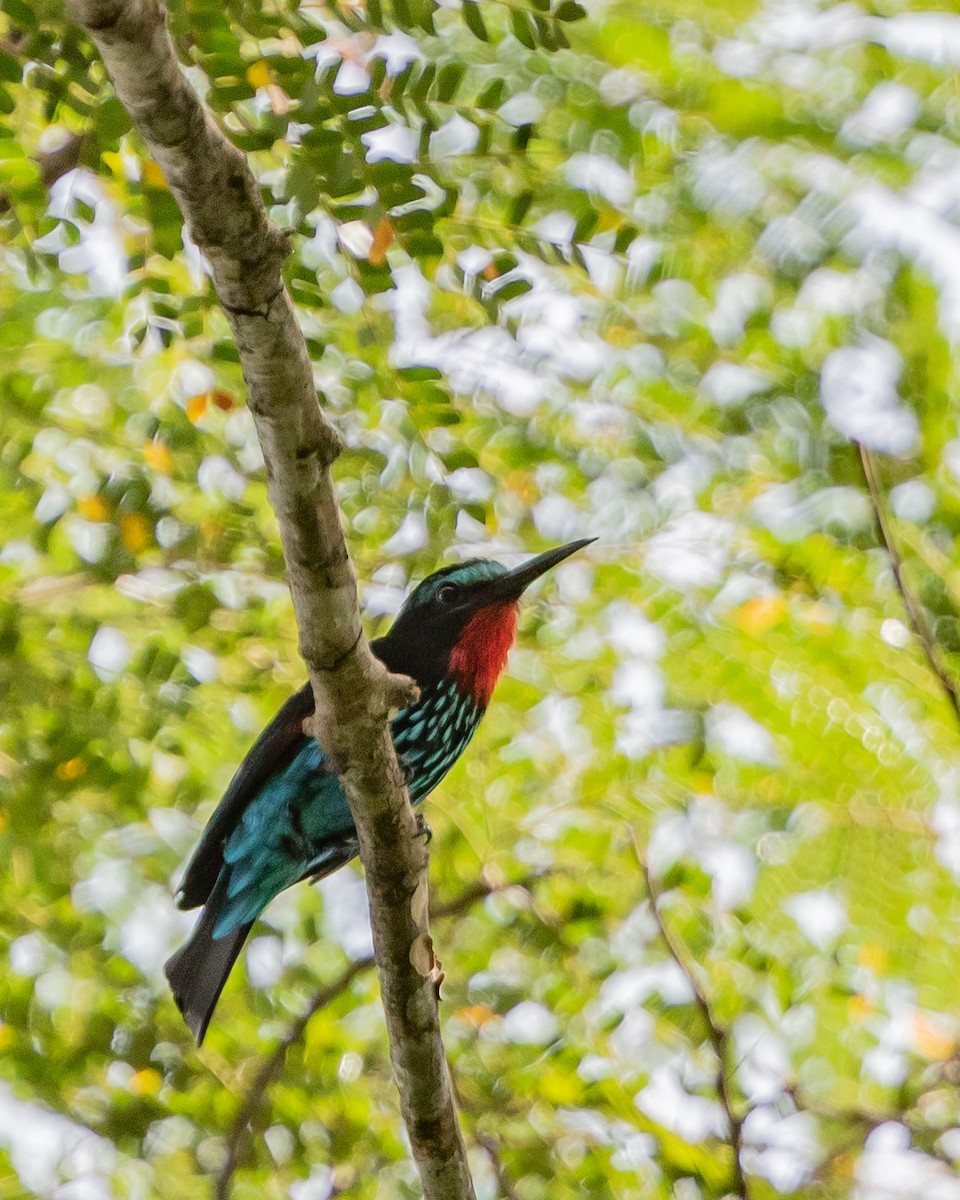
270, 1069
224, 213
272, 1064
915, 613
492, 1150
719, 1036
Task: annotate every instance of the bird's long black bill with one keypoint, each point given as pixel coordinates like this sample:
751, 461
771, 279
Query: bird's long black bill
512, 585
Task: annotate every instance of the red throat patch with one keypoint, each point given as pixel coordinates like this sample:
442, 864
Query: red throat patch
478, 658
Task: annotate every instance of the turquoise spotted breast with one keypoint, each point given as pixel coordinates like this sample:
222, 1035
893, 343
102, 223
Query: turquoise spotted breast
299, 826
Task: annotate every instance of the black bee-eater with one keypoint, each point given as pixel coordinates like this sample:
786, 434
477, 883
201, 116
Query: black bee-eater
285, 815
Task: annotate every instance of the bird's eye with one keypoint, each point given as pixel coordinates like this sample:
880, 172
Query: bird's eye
447, 593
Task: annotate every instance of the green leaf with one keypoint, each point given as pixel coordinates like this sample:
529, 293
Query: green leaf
20, 13
424, 246
519, 207
570, 10
523, 28
474, 20
626, 234
378, 74
194, 606
545, 32
425, 11
523, 137
360, 125
112, 120
509, 291
586, 225
504, 262
492, 95
302, 186
419, 374
166, 221
449, 79
460, 458
10, 70
424, 82
419, 218
401, 79
485, 138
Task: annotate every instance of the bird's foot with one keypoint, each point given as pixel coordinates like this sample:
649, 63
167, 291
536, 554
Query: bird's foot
423, 829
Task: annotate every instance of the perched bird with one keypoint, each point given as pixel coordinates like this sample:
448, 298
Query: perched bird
285, 815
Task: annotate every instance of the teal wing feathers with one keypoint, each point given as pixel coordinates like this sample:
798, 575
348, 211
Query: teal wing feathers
278, 743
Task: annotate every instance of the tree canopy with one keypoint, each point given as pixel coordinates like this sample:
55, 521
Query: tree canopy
684, 277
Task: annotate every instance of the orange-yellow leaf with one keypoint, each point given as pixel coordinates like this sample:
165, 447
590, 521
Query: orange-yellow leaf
761, 613
152, 176
258, 74
522, 485
135, 531
558, 1087
146, 1082
843, 1165
382, 238
874, 957
72, 769
931, 1037
859, 1007
490, 272
197, 406
157, 456
93, 508
476, 1015
620, 335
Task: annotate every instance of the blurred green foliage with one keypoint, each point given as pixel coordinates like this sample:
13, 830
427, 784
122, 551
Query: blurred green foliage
638, 271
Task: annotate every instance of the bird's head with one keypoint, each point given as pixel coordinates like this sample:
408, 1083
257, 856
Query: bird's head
461, 621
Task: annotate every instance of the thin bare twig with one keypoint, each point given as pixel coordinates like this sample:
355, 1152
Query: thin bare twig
718, 1035
866, 1120
492, 1150
915, 612
272, 1064
481, 888
270, 1068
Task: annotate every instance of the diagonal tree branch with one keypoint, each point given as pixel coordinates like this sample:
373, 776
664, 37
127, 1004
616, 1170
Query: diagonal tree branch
492, 1150
915, 613
718, 1035
270, 1067
224, 213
